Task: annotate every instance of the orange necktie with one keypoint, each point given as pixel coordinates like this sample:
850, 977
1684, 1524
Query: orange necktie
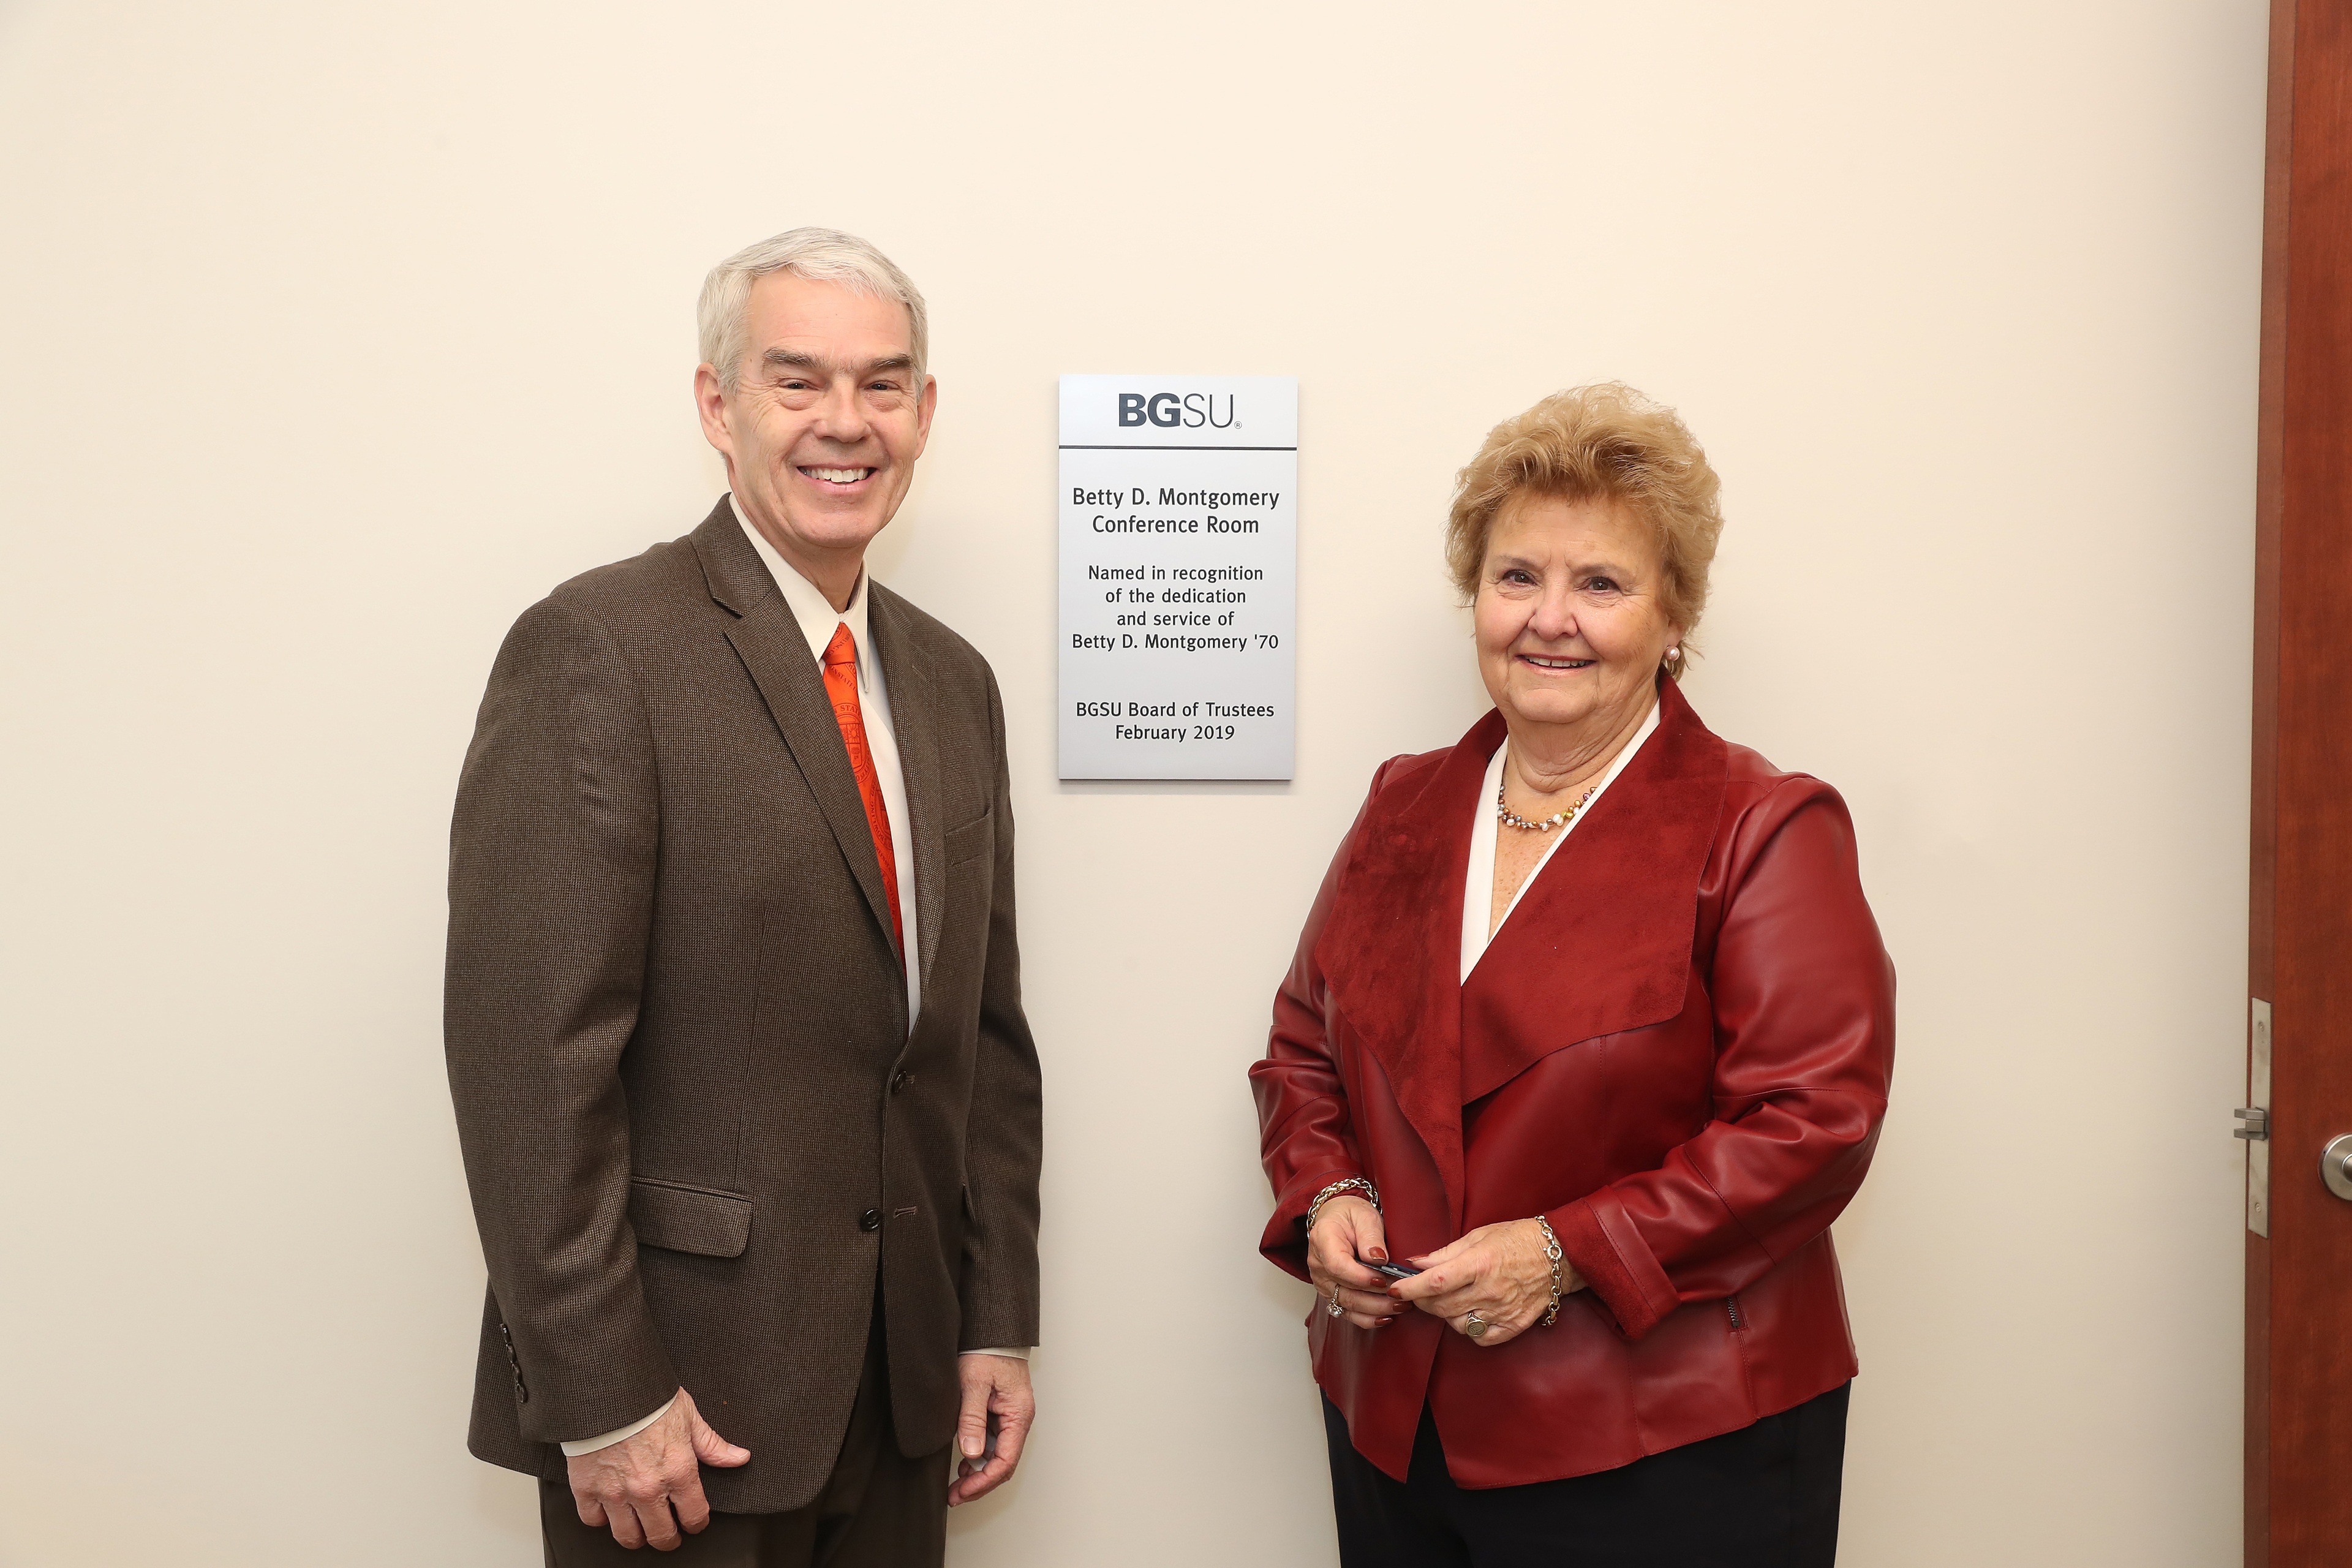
841, 686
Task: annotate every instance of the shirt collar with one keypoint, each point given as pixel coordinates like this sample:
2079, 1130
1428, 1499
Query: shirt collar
815, 614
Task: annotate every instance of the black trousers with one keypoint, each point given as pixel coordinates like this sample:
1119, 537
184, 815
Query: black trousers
1763, 1497
878, 1509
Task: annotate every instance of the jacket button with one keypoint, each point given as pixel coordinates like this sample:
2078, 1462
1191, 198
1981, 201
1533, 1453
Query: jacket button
900, 1080
870, 1220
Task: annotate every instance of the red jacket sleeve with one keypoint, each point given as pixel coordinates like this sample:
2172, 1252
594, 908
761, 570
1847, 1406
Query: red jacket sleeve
1804, 1020
1305, 1137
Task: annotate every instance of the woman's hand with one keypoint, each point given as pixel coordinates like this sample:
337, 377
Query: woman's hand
1347, 1230
1500, 1272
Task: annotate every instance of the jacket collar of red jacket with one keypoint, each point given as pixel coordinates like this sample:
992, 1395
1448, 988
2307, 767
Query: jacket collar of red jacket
1600, 944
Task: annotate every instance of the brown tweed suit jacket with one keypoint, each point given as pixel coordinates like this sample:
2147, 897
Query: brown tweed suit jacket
695, 1122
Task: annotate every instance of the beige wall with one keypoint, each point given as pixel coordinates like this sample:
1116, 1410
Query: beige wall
335, 335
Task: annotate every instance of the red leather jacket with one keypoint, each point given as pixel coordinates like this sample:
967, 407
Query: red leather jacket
1676, 1050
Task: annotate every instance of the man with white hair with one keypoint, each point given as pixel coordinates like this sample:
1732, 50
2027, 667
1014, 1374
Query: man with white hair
749, 1106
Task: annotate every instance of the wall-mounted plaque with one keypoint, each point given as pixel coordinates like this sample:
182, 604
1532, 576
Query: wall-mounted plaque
1180, 577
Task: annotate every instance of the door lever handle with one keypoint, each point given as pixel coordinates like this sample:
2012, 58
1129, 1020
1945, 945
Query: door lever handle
2257, 1128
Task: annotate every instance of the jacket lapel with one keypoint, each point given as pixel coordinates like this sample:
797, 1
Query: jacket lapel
1601, 941
1392, 954
768, 639
914, 721
1601, 944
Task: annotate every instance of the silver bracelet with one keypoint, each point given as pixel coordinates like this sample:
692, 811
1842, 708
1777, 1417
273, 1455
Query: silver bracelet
1345, 1183
1552, 1252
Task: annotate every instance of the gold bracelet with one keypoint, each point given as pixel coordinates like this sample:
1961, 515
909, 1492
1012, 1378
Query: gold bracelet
1345, 1183
1552, 1253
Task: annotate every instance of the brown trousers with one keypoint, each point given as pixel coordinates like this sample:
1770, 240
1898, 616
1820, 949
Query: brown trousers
878, 1509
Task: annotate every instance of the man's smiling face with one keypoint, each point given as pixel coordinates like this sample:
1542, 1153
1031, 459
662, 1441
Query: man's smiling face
822, 427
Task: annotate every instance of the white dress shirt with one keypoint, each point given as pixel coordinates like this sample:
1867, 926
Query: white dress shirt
1478, 887
818, 619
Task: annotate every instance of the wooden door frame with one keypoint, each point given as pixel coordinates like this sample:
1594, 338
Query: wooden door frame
2298, 1462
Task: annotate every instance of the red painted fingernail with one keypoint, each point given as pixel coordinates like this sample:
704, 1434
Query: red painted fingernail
1378, 1255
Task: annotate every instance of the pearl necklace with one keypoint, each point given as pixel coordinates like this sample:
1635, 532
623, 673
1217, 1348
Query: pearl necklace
1509, 819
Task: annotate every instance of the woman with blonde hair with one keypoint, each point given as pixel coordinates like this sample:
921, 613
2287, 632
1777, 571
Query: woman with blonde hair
1586, 1042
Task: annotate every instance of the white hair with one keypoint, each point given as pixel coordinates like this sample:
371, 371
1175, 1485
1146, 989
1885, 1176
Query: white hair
820, 255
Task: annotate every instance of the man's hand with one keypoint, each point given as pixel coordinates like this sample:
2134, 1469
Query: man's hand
636, 1485
998, 1408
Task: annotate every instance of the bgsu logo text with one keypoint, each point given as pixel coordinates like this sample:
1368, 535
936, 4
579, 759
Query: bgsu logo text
1170, 412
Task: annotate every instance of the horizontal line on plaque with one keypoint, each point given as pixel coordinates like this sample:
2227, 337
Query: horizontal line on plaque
1081, 446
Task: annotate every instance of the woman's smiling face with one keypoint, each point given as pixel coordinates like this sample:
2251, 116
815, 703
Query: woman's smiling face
1569, 617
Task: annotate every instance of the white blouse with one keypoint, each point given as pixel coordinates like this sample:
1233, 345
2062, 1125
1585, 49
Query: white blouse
1478, 887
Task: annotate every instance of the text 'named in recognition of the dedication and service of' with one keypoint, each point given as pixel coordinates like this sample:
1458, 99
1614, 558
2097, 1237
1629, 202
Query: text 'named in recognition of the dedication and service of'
1180, 577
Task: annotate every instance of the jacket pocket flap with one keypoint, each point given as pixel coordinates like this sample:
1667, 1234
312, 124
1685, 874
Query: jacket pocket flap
971, 840
689, 1219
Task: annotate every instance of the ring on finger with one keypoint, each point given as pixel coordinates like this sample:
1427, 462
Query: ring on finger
1475, 1326
1337, 1309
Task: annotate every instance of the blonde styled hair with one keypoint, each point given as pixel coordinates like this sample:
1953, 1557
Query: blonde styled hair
1602, 442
